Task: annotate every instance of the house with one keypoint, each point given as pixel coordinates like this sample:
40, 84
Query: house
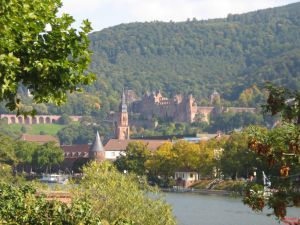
117, 147
186, 177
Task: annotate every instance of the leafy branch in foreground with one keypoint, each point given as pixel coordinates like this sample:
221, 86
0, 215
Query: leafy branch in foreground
279, 149
41, 51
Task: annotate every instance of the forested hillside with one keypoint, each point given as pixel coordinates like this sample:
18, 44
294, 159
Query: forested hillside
228, 55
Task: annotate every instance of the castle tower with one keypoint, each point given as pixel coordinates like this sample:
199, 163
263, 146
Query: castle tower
96, 151
122, 129
191, 109
215, 98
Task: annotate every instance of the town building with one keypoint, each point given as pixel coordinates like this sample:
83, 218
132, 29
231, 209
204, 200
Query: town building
77, 155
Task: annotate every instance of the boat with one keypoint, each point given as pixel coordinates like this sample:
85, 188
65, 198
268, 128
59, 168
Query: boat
54, 178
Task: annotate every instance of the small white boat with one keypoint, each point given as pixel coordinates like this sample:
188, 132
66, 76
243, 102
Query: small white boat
54, 178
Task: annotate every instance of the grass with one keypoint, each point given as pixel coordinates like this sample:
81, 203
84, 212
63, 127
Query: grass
201, 184
50, 129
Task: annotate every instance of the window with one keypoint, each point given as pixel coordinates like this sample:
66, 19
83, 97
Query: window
191, 175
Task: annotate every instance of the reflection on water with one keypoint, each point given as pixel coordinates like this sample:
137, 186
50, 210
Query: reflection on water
195, 209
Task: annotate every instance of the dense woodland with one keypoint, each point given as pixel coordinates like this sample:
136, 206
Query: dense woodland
228, 55
234, 55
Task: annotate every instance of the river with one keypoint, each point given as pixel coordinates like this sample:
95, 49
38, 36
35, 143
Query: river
196, 209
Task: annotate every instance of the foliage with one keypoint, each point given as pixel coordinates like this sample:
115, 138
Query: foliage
134, 159
211, 152
48, 155
114, 195
25, 151
82, 133
229, 55
229, 121
64, 120
254, 196
182, 155
41, 51
162, 162
285, 102
24, 206
236, 160
7, 153
279, 148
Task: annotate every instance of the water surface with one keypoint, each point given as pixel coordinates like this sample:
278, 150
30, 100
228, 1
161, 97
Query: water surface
196, 209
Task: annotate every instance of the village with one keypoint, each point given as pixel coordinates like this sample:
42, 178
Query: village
180, 174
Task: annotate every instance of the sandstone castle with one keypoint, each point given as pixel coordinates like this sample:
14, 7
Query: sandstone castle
177, 109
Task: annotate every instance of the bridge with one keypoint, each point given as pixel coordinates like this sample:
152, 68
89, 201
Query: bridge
37, 119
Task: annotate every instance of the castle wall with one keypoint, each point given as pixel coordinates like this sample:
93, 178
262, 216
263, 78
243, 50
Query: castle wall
206, 111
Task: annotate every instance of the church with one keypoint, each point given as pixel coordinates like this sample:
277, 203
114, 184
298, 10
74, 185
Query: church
77, 155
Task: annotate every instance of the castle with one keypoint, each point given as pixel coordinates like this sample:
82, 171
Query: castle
179, 108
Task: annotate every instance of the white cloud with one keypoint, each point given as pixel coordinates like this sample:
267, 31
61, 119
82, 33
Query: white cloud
104, 13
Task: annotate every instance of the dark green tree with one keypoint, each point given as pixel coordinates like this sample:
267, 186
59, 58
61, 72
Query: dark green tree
134, 159
41, 51
48, 155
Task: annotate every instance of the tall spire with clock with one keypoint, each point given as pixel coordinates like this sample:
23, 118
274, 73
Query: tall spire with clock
122, 130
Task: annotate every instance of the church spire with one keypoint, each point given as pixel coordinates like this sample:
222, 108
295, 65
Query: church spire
123, 103
122, 129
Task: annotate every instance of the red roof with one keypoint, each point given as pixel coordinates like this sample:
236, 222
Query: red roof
76, 148
76, 151
41, 139
120, 145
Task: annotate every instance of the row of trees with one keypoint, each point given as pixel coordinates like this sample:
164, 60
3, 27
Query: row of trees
228, 156
29, 156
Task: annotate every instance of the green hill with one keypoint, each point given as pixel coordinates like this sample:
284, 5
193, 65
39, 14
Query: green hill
198, 56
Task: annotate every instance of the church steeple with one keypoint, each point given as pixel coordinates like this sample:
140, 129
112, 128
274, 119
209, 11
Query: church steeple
122, 129
123, 106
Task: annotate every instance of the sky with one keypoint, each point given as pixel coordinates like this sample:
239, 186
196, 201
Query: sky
107, 13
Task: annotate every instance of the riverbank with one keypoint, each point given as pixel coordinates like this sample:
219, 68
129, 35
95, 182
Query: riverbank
211, 187
199, 191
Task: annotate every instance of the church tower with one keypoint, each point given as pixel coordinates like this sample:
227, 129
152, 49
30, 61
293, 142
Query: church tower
96, 151
122, 129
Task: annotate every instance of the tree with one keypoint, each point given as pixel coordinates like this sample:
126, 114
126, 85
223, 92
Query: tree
210, 155
134, 159
114, 195
24, 206
7, 153
187, 155
236, 160
162, 161
24, 152
41, 51
64, 120
47, 155
279, 149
